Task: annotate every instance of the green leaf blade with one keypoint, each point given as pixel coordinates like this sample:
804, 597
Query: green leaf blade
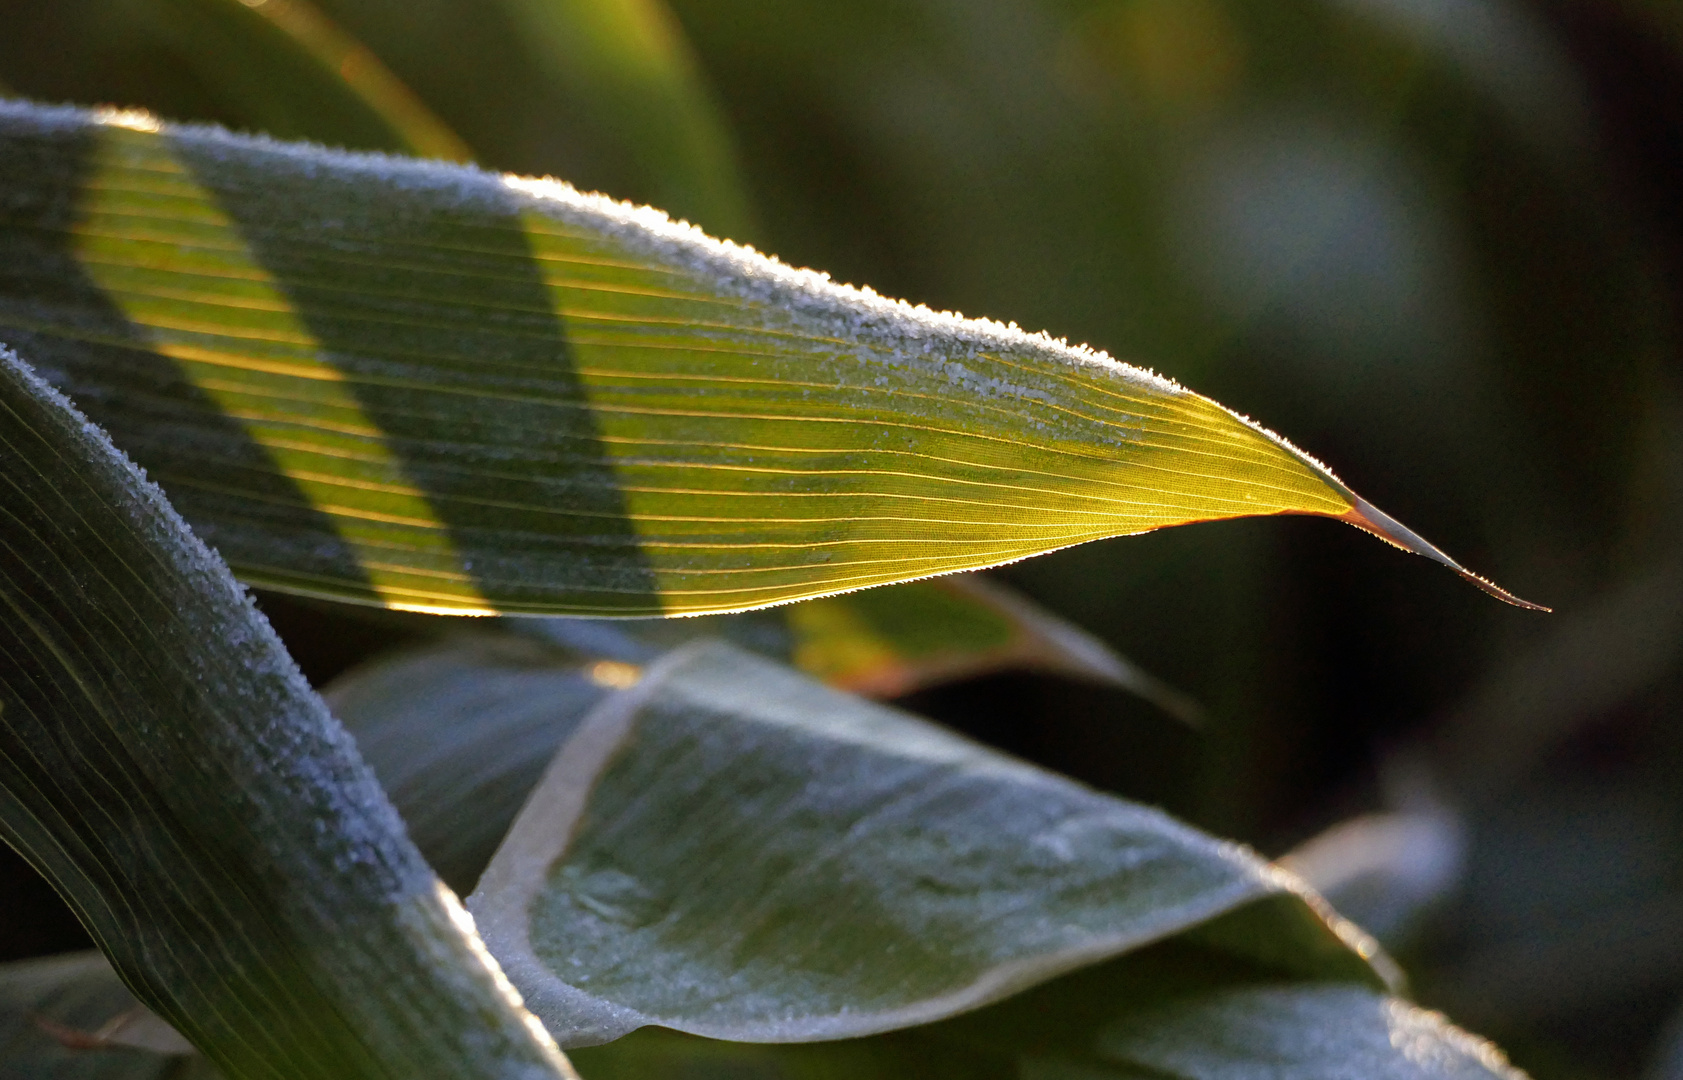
734, 850
165, 765
1283, 1031
438, 389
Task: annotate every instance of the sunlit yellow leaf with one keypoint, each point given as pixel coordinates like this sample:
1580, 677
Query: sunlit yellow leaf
401, 382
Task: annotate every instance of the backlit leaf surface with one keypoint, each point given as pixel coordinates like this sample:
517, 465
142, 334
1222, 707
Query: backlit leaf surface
429, 387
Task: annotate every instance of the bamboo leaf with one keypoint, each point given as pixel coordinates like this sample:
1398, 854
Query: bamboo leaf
733, 850
163, 763
460, 730
889, 642
434, 388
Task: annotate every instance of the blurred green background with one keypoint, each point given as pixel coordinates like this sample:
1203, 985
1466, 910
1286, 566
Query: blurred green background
1437, 243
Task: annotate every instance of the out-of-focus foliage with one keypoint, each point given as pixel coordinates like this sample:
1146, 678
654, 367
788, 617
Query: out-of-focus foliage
1438, 242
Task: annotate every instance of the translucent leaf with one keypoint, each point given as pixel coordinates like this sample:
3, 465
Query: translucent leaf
434, 388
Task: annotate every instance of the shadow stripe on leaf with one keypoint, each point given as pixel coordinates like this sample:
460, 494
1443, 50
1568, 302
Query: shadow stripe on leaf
404, 343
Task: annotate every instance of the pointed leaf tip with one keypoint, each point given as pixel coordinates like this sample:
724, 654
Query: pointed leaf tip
1369, 518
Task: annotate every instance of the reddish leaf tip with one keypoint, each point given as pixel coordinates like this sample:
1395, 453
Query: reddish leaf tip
1369, 518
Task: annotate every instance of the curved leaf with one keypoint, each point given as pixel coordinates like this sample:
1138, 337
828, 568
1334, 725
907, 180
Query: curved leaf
460, 732
434, 388
889, 642
1168, 1011
163, 763
733, 850
1304, 1033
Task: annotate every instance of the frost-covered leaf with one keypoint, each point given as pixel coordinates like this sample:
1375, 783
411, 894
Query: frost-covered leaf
163, 763
1275, 1032
430, 387
734, 850
460, 732
1168, 1012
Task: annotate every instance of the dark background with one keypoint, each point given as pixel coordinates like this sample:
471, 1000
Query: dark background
1437, 244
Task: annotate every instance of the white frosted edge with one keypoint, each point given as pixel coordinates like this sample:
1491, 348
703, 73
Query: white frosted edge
734, 268
546, 826
364, 819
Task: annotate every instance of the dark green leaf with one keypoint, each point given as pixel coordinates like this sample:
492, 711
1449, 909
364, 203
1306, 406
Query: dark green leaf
163, 763
459, 734
734, 850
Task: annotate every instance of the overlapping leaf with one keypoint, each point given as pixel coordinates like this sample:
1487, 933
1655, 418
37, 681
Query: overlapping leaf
756, 844
1169, 1011
434, 388
1262, 989
53, 1011
460, 732
887, 642
163, 763
734, 850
